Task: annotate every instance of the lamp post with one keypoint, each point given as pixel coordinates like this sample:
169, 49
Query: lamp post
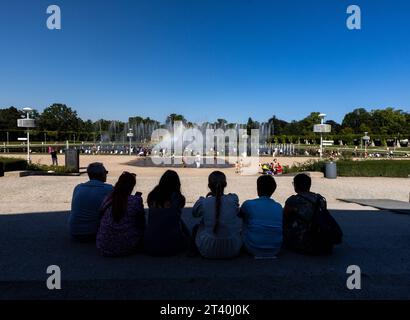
366, 140
45, 142
130, 134
322, 128
27, 123
322, 122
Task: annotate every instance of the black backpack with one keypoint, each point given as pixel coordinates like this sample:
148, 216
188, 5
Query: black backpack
325, 231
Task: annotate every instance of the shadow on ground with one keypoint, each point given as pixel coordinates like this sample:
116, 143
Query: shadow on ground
377, 241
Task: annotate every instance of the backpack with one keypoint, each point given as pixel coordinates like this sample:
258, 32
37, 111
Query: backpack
324, 227
325, 231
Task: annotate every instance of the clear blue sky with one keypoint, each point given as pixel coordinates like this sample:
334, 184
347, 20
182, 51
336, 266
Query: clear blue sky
205, 59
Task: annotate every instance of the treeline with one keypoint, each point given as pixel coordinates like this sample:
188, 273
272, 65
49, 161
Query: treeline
59, 122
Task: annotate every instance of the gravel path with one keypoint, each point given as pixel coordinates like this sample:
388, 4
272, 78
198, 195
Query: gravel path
45, 194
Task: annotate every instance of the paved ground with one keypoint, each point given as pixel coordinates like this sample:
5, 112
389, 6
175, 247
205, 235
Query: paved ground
377, 241
33, 235
383, 204
45, 194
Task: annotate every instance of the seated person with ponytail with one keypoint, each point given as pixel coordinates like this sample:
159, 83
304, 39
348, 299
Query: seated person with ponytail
123, 222
218, 236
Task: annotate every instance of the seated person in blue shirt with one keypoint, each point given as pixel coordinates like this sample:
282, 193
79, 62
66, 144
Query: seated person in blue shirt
85, 214
262, 217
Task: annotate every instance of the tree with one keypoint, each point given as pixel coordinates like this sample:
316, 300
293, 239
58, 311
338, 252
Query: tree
389, 121
336, 127
356, 118
59, 117
175, 117
221, 123
251, 125
279, 126
8, 118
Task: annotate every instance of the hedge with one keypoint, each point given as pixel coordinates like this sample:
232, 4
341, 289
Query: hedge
15, 164
12, 164
374, 168
360, 168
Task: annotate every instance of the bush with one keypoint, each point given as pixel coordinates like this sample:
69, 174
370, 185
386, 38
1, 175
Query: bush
12, 164
15, 164
374, 168
46, 168
311, 165
361, 168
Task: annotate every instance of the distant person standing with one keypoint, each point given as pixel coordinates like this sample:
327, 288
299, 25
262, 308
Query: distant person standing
241, 166
237, 167
85, 215
53, 153
198, 160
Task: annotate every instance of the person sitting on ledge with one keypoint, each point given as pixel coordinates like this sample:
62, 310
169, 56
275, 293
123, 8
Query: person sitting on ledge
166, 233
308, 227
87, 198
262, 232
218, 235
123, 220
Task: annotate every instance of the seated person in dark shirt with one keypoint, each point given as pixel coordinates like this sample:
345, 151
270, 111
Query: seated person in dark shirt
166, 233
300, 225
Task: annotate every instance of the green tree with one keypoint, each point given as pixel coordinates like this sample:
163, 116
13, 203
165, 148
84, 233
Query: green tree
356, 118
279, 126
389, 121
221, 123
336, 127
59, 117
8, 118
175, 117
251, 125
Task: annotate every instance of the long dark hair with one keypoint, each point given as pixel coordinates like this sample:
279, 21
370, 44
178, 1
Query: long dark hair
122, 189
161, 194
217, 184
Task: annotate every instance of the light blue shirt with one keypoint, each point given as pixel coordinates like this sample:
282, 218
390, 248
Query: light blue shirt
85, 206
262, 230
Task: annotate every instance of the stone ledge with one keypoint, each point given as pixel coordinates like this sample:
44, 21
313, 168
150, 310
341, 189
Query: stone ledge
21, 174
312, 174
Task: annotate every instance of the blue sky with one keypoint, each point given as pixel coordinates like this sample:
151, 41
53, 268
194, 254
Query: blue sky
205, 59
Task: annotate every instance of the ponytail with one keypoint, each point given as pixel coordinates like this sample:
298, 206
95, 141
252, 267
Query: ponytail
120, 194
217, 184
218, 195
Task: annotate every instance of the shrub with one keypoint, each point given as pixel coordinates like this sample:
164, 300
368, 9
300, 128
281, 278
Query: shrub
311, 165
12, 164
361, 168
374, 168
16, 164
46, 168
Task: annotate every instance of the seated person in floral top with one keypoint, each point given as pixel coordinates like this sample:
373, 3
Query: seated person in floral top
123, 222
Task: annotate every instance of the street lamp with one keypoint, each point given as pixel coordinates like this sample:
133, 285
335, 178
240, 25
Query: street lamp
27, 123
322, 122
130, 134
321, 128
366, 140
